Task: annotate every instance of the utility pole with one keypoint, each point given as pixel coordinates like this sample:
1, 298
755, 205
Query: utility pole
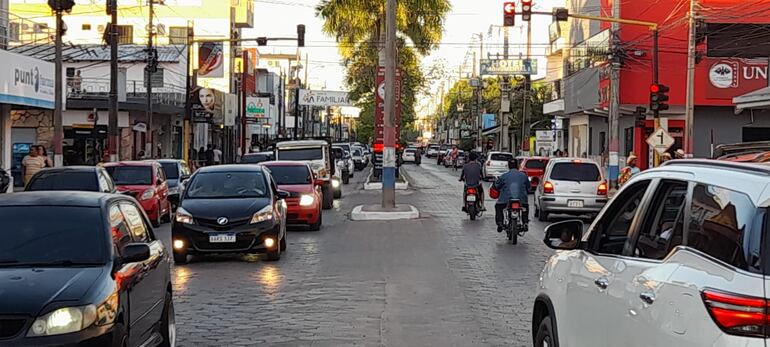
690, 102
112, 122
389, 130
527, 88
188, 89
149, 69
58, 129
614, 102
505, 99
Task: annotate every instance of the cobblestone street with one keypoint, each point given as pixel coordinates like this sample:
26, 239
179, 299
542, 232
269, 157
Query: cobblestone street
441, 280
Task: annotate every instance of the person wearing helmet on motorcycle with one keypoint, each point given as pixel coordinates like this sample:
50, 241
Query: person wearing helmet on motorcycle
513, 184
471, 174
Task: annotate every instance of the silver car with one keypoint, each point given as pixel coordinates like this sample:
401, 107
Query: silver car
496, 164
570, 186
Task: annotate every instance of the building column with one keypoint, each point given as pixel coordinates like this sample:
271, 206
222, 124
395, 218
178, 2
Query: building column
5, 139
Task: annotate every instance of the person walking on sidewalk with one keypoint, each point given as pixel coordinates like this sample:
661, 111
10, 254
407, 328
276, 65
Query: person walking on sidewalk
32, 164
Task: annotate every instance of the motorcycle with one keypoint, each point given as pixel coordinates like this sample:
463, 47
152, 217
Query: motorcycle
472, 203
514, 221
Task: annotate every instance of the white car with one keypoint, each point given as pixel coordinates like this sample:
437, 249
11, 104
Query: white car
573, 186
679, 257
432, 151
496, 164
409, 155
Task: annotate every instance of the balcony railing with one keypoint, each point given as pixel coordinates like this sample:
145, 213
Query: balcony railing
19, 31
95, 88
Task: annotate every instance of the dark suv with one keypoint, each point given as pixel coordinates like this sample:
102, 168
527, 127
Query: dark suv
91, 273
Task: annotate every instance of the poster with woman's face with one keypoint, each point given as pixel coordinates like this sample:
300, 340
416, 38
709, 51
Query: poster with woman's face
206, 106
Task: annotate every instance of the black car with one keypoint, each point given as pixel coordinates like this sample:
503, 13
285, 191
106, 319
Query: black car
230, 209
176, 171
256, 158
90, 273
80, 178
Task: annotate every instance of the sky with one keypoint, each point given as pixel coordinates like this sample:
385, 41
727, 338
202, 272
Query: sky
468, 18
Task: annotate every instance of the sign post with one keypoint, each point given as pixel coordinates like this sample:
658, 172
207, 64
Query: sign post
660, 141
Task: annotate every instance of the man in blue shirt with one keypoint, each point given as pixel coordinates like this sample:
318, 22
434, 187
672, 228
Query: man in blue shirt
513, 184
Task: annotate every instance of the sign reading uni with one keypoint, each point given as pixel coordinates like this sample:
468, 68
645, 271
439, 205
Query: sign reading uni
323, 98
508, 66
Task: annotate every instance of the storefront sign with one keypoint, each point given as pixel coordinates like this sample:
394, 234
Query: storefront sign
257, 108
508, 66
728, 78
488, 120
26, 81
324, 98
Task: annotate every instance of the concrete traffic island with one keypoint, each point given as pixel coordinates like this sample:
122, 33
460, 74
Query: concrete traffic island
373, 184
377, 212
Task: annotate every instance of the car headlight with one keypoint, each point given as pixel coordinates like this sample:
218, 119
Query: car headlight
173, 190
529, 178
262, 215
72, 319
335, 183
184, 217
148, 194
306, 200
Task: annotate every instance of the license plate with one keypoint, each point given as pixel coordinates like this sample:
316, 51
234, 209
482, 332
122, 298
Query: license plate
222, 238
470, 198
575, 203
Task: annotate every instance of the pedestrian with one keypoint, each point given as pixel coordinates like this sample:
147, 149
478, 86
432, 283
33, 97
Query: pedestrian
679, 154
31, 164
209, 155
140, 155
217, 155
629, 171
44, 154
665, 157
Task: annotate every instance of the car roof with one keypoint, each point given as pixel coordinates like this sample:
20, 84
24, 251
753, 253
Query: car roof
71, 169
166, 160
284, 163
131, 163
565, 160
230, 168
257, 153
301, 143
56, 198
747, 178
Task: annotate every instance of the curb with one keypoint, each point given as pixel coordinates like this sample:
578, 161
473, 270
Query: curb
368, 185
359, 215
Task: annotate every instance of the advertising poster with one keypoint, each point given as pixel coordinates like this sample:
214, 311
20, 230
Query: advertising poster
206, 106
211, 57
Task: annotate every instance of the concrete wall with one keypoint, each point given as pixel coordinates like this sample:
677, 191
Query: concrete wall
727, 127
581, 91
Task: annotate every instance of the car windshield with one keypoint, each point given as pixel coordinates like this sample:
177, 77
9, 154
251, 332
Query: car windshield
72, 180
255, 158
300, 154
579, 172
131, 175
226, 185
67, 235
535, 164
357, 152
501, 157
410, 151
171, 170
291, 174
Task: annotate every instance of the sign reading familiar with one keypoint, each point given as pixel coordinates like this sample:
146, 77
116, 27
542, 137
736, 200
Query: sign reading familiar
323, 98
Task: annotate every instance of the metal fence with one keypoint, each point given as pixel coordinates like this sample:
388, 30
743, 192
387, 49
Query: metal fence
79, 88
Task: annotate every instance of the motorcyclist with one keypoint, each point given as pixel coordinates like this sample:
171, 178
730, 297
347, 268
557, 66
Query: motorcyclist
471, 174
513, 184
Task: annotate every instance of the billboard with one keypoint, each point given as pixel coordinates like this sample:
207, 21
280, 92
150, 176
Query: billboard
488, 120
379, 126
206, 106
323, 98
26, 81
508, 66
211, 60
257, 109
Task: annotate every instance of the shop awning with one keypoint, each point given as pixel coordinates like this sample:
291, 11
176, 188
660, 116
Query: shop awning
491, 131
757, 99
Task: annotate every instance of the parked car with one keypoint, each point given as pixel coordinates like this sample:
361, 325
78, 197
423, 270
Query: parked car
432, 151
145, 181
462, 158
442, 150
75, 178
319, 156
256, 158
409, 155
304, 201
176, 172
496, 164
87, 271
677, 258
534, 167
570, 186
230, 209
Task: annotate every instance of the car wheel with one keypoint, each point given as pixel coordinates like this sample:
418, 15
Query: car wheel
345, 178
168, 217
328, 196
338, 194
180, 258
283, 243
317, 225
168, 323
274, 255
542, 216
545, 336
537, 212
158, 218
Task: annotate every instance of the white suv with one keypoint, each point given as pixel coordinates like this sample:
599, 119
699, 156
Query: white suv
679, 257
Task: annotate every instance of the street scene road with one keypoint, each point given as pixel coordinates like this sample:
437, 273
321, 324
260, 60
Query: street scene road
438, 280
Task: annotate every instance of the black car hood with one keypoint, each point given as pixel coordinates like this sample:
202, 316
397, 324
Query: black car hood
230, 208
29, 290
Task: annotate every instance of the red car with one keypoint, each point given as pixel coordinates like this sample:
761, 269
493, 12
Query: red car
534, 167
145, 181
304, 202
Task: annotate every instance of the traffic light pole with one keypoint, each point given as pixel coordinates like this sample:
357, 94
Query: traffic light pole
112, 121
149, 152
58, 132
655, 70
389, 129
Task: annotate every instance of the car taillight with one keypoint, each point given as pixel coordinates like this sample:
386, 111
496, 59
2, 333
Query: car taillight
515, 205
471, 191
736, 314
548, 187
602, 189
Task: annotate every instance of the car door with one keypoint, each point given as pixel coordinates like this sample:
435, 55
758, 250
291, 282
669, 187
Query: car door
279, 204
593, 271
149, 287
160, 176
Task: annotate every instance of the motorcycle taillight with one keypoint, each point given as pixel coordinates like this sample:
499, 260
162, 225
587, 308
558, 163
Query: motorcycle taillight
515, 205
471, 191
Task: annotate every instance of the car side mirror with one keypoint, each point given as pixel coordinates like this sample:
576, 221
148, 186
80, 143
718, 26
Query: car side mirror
564, 235
184, 178
283, 194
135, 252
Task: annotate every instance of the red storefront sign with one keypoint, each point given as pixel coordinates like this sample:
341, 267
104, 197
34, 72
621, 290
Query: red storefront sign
379, 112
728, 78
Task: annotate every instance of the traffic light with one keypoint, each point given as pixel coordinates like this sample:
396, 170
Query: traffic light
640, 116
261, 41
526, 10
658, 97
301, 35
509, 14
61, 5
152, 61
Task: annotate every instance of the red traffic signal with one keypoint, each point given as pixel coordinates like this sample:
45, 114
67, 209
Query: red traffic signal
526, 10
658, 97
509, 14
